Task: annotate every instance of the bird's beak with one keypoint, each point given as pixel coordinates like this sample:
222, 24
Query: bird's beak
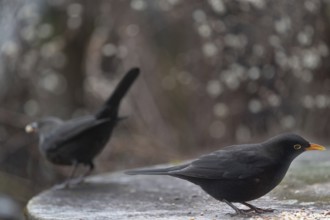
31, 128
315, 147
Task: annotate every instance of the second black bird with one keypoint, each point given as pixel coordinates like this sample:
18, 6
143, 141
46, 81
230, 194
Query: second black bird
80, 140
241, 173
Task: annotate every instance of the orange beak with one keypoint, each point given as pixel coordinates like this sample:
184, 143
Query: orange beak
315, 147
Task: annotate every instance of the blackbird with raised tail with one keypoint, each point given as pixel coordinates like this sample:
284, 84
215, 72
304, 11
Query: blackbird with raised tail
80, 140
240, 173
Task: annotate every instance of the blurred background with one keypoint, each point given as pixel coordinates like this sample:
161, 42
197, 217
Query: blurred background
214, 73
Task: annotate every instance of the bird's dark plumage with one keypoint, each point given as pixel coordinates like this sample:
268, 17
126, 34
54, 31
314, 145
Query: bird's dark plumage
80, 140
240, 173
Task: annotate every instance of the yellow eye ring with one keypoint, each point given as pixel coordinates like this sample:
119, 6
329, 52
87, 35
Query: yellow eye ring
297, 146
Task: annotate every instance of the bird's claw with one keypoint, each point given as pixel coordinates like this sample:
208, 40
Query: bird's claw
242, 212
260, 210
69, 183
77, 181
250, 212
60, 186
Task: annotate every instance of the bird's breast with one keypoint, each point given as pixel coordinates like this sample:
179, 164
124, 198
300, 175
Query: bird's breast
240, 190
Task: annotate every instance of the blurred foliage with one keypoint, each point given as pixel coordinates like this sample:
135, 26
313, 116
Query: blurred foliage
214, 73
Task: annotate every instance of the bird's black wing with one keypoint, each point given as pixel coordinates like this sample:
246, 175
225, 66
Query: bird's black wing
236, 162
72, 129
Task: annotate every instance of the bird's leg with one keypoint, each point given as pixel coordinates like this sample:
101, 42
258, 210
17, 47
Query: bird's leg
82, 177
67, 182
238, 211
70, 179
91, 168
75, 167
256, 209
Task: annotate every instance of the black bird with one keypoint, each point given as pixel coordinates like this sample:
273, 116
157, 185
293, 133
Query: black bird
241, 173
80, 140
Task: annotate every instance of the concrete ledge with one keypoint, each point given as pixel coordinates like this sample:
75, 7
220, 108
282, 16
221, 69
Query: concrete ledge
118, 196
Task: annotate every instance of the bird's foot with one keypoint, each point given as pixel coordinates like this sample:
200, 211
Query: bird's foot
256, 209
69, 183
250, 212
76, 181
260, 210
60, 186
242, 213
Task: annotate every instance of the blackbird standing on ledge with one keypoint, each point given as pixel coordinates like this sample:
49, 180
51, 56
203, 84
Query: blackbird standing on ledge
241, 173
80, 140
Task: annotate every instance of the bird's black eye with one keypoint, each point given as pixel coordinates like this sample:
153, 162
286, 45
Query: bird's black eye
297, 146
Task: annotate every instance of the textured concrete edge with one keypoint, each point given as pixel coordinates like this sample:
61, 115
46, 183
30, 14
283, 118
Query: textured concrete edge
27, 211
28, 215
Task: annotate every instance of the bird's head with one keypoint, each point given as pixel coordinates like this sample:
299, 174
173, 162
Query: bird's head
31, 128
43, 126
292, 145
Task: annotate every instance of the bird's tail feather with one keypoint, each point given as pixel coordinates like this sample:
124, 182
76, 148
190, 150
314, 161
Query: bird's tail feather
110, 108
147, 172
155, 171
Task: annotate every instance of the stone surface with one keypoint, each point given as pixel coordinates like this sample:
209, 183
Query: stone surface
304, 193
